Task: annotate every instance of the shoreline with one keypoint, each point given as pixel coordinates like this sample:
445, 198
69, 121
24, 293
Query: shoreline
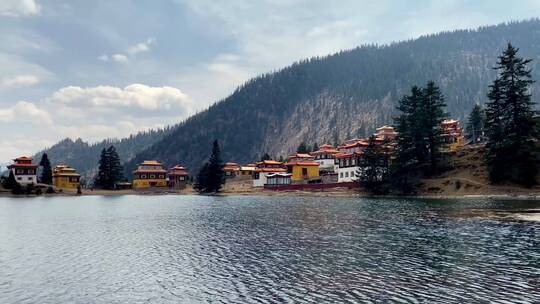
532, 196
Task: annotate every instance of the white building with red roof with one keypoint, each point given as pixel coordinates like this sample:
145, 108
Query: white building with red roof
265, 168
24, 170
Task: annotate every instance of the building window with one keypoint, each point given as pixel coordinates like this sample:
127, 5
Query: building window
30, 178
304, 171
19, 178
143, 176
341, 174
181, 178
353, 161
256, 175
31, 172
161, 176
19, 171
152, 176
346, 174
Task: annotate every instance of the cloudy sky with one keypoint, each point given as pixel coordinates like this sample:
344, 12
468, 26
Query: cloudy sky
102, 68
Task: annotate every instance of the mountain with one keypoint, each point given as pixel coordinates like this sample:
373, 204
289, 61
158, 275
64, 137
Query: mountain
344, 95
84, 156
329, 99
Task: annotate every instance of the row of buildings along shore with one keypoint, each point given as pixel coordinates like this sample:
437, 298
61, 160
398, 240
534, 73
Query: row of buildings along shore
328, 165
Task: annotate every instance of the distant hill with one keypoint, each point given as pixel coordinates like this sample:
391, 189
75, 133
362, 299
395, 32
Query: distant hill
84, 157
332, 98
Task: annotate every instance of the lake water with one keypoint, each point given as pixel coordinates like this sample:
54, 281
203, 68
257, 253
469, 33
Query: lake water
192, 249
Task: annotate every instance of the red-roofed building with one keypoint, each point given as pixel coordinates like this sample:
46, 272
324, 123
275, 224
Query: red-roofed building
231, 169
347, 166
150, 174
303, 171
325, 157
452, 134
264, 168
351, 147
386, 133
178, 177
24, 170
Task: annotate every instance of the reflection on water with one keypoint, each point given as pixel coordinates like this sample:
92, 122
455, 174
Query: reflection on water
171, 249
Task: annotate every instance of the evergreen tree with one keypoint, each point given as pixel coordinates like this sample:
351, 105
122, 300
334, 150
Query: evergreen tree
109, 170
211, 177
102, 176
302, 148
374, 168
475, 124
281, 159
315, 147
115, 167
511, 149
335, 138
10, 182
407, 161
265, 156
432, 114
46, 171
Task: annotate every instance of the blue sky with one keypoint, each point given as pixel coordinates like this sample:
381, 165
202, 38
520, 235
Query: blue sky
101, 68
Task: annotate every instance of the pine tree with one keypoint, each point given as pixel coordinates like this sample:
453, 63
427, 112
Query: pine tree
110, 169
495, 155
265, 156
102, 176
432, 114
10, 182
211, 177
302, 148
115, 167
404, 168
46, 171
315, 147
374, 168
475, 124
511, 149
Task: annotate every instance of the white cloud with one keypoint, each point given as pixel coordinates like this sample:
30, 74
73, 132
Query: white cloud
120, 58
130, 53
135, 98
141, 47
91, 113
16, 8
19, 81
25, 112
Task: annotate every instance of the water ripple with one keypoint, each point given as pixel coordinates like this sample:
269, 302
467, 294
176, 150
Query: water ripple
190, 249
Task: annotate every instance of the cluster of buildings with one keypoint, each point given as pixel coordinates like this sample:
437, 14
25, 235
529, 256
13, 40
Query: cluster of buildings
152, 173
327, 165
25, 173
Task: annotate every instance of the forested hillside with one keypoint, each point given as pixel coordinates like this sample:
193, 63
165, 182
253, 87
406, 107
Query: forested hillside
328, 99
344, 95
84, 156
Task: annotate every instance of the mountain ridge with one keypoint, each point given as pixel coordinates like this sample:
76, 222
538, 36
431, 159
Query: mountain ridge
346, 94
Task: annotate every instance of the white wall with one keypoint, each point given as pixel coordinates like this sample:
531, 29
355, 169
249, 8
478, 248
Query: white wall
25, 179
347, 174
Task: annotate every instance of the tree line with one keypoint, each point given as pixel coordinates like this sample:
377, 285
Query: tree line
507, 125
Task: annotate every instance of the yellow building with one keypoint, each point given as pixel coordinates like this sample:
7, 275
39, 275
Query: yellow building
304, 171
150, 174
66, 177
